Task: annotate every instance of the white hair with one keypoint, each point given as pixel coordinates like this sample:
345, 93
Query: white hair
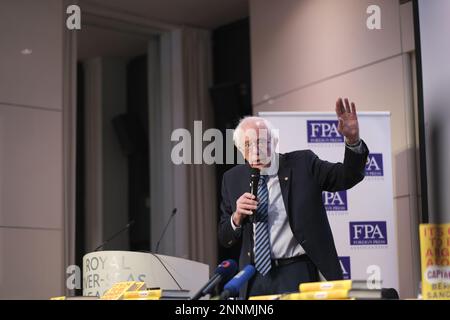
239, 132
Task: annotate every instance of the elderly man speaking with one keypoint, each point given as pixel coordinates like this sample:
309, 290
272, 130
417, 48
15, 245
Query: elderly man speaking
284, 229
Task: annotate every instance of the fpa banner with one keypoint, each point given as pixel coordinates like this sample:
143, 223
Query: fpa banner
362, 218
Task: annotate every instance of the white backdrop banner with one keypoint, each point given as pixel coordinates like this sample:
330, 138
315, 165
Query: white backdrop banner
362, 218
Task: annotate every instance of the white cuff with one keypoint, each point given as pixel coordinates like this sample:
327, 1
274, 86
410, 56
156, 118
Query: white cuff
357, 148
232, 224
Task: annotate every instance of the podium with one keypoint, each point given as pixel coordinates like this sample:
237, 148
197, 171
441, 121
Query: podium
102, 269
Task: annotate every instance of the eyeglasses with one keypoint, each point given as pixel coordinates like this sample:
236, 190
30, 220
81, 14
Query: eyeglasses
260, 143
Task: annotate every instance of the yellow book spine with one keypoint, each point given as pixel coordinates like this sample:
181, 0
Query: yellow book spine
324, 286
143, 298
317, 295
147, 294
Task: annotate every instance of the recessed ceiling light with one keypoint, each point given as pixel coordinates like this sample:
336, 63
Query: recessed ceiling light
26, 51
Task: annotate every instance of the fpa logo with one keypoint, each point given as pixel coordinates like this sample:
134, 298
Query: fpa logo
323, 131
374, 165
335, 201
368, 233
345, 266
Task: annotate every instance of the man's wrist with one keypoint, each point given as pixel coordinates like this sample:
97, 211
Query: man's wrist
236, 218
353, 142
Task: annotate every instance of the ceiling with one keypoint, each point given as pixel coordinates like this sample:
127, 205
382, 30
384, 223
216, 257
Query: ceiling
207, 14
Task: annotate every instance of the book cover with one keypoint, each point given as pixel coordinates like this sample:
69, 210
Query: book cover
118, 290
435, 261
138, 286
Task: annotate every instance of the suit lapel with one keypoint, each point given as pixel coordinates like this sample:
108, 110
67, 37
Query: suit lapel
244, 184
284, 176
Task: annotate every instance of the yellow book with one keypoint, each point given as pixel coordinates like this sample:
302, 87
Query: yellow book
157, 294
266, 297
434, 256
337, 285
334, 295
140, 294
118, 290
317, 295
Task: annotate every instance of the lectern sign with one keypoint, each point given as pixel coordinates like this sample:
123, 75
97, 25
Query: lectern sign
103, 269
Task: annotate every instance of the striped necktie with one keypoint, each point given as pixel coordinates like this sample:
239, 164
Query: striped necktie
262, 239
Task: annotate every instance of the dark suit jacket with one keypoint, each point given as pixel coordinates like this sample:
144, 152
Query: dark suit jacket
307, 176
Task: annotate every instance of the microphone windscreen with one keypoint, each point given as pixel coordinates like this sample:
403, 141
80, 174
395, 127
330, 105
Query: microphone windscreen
255, 172
235, 284
227, 269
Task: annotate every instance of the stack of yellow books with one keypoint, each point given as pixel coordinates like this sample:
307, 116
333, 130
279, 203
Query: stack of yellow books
331, 290
336, 290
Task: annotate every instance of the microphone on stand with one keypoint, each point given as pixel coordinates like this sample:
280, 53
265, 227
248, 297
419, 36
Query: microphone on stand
224, 271
174, 211
231, 289
129, 224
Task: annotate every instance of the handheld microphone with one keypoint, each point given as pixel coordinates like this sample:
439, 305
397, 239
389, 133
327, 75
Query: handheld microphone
254, 180
174, 211
129, 224
231, 289
225, 271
